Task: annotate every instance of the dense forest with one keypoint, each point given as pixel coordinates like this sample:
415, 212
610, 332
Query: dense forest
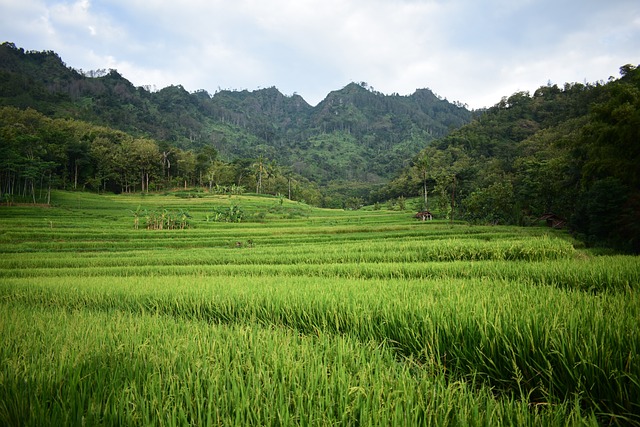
40, 153
355, 135
570, 151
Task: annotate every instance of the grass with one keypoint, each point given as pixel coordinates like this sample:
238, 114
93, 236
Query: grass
331, 317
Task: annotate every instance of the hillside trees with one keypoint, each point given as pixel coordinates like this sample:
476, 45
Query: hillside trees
608, 206
39, 153
445, 173
372, 135
30, 157
573, 152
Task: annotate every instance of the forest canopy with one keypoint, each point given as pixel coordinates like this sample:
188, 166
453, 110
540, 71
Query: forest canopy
40, 153
572, 152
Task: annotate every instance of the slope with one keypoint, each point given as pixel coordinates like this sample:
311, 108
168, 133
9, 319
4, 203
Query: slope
367, 134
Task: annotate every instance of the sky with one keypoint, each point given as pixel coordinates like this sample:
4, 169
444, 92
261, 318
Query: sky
471, 51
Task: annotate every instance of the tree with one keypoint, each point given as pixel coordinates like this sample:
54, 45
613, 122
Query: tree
79, 158
104, 156
166, 164
493, 204
186, 167
146, 159
613, 133
205, 160
423, 168
260, 167
242, 168
287, 172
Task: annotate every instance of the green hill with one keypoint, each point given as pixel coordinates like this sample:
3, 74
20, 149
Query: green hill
572, 152
371, 132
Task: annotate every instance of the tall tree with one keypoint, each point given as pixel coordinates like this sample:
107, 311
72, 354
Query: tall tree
146, 158
205, 160
260, 167
423, 167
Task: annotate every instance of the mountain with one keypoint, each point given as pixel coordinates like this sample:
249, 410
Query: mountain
354, 134
568, 153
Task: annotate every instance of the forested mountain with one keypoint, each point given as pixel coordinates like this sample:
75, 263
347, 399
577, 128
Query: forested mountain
355, 134
573, 152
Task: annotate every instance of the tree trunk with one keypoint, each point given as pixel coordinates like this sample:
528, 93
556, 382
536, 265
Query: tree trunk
259, 183
453, 198
426, 198
49, 191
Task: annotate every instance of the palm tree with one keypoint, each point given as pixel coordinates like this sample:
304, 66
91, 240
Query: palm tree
423, 167
261, 169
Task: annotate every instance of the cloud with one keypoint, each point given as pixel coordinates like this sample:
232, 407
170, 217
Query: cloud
465, 50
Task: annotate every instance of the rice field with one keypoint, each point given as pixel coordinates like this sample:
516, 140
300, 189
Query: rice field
303, 316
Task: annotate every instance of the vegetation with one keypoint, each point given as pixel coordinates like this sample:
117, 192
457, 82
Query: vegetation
565, 151
156, 291
350, 317
41, 153
572, 152
356, 126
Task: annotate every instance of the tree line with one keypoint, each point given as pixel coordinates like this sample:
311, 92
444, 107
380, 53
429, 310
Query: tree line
40, 153
370, 132
572, 152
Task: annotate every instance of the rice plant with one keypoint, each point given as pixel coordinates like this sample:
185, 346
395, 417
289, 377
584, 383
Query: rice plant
123, 369
331, 317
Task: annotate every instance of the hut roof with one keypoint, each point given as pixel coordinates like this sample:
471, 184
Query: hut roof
553, 220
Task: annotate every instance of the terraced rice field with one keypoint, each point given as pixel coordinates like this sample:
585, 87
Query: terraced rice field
304, 316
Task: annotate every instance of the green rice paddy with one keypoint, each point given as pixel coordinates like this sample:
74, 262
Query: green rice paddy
304, 316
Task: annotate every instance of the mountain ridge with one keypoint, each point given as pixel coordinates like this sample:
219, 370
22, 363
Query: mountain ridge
361, 123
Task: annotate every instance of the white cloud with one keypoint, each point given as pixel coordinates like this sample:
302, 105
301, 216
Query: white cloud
474, 52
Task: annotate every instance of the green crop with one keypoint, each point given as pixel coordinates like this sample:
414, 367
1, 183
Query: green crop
351, 318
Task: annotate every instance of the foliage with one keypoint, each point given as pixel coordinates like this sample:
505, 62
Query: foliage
572, 152
233, 213
162, 219
338, 317
43, 153
356, 133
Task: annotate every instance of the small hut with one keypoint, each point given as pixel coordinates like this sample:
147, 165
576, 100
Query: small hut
424, 215
553, 220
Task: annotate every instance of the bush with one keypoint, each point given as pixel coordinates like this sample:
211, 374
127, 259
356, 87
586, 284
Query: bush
233, 213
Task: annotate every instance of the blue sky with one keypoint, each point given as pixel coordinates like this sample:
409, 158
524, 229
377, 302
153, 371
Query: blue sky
471, 51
